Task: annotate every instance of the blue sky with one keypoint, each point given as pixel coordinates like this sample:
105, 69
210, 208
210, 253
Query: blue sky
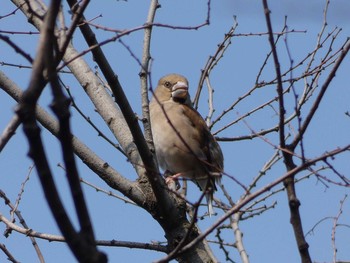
268, 237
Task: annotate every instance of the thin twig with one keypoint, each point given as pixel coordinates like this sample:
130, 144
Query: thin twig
259, 192
23, 223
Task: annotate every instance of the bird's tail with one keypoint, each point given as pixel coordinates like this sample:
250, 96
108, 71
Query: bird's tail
209, 197
209, 187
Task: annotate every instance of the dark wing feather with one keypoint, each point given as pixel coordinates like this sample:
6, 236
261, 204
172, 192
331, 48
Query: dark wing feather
214, 158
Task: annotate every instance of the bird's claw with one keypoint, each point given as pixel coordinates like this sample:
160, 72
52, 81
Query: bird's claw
172, 181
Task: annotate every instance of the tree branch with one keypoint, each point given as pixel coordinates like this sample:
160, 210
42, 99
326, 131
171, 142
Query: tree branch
89, 158
9, 131
158, 185
145, 75
289, 183
259, 192
320, 96
107, 243
26, 112
105, 107
24, 224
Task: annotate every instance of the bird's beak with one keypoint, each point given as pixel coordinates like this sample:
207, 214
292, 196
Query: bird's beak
179, 90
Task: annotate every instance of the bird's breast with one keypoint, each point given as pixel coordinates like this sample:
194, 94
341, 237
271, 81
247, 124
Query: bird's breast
173, 136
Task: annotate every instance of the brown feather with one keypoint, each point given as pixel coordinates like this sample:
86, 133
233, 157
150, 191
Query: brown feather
183, 142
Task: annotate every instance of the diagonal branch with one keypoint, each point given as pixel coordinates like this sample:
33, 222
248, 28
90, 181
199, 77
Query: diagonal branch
23, 223
249, 198
9, 131
94, 162
105, 107
320, 96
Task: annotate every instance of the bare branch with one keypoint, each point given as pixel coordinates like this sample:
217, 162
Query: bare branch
83, 247
320, 96
294, 203
145, 72
23, 223
9, 131
165, 203
16, 48
94, 162
334, 228
10, 257
264, 189
108, 243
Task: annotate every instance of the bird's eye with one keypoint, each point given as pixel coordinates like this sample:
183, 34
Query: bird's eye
167, 84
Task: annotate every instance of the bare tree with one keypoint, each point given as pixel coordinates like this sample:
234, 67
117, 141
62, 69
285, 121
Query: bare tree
293, 92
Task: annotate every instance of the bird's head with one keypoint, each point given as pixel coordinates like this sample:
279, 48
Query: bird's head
173, 86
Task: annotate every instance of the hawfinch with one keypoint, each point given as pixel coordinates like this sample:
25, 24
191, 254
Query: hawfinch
183, 143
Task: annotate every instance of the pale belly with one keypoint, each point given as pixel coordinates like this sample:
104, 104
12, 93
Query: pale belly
175, 148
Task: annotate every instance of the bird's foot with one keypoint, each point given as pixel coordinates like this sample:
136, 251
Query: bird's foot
172, 181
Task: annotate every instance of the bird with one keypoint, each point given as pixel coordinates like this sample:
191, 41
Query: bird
184, 145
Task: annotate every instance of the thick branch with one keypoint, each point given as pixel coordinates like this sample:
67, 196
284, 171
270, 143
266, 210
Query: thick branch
105, 107
83, 251
94, 162
60, 107
166, 205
